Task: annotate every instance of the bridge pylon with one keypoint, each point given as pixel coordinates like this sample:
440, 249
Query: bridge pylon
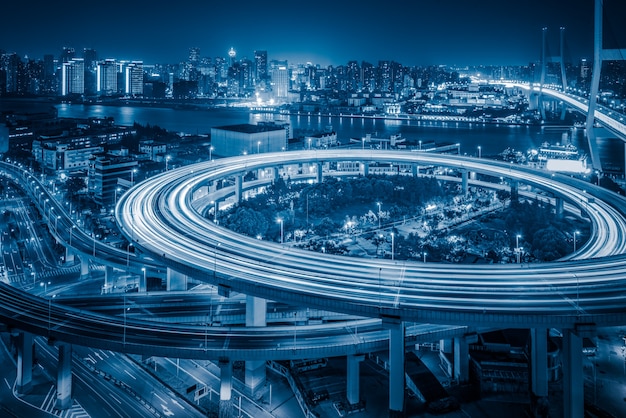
599, 55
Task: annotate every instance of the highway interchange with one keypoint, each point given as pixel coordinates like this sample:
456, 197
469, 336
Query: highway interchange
587, 289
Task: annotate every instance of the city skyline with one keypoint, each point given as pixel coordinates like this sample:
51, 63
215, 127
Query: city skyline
451, 33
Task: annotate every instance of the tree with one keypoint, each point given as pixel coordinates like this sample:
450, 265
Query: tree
75, 185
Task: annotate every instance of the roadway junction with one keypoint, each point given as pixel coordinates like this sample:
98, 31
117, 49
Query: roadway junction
166, 218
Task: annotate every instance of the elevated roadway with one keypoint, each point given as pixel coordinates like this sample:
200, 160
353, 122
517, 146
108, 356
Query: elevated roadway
589, 288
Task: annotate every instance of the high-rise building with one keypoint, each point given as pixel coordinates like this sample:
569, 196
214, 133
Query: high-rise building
194, 56
73, 77
260, 66
232, 55
280, 78
106, 77
134, 78
67, 53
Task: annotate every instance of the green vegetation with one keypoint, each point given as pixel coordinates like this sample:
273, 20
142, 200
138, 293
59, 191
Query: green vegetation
342, 216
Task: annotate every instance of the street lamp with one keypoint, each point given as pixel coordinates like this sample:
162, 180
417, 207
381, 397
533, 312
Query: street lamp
280, 220
479, 152
517, 250
132, 176
393, 245
167, 159
45, 286
575, 235
145, 285
56, 220
71, 233
258, 147
424, 256
379, 211
211, 153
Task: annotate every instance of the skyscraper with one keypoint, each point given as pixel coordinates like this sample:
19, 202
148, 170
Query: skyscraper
73, 77
106, 77
260, 66
134, 78
280, 78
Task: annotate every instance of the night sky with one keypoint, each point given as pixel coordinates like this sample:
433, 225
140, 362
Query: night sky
412, 32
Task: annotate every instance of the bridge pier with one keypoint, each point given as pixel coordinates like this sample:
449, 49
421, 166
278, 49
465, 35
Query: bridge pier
353, 371
69, 255
84, 268
573, 385
558, 207
24, 362
464, 180
238, 188
366, 168
415, 170
396, 366
176, 280
539, 370
64, 377
320, 172
226, 388
461, 359
276, 173
255, 373
108, 277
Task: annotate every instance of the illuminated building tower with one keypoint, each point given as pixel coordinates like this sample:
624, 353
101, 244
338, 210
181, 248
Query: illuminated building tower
194, 56
368, 76
280, 78
134, 78
73, 77
260, 66
106, 77
353, 76
231, 55
384, 76
67, 54
91, 60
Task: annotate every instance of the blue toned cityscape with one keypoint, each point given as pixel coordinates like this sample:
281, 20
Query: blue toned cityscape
324, 210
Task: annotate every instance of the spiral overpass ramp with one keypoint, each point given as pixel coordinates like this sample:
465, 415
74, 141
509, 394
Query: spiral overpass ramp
166, 222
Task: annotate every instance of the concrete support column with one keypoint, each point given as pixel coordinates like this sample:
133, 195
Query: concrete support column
84, 267
558, 207
415, 170
143, 280
64, 377
353, 386
238, 188
108, 279
514, 191
573, 391
69, 255
464, 177
226, 388
446, 345
461, 360
320, 172
396, 368
539, 361
24, 362
276, 173
366, 168
255, 374
176, 280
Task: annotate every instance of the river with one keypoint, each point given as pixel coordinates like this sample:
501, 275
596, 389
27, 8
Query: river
491, 138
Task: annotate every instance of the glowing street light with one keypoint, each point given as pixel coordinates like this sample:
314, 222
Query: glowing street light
424, 256
379, 211
258, 147
393, 245
575, 235
479, 152
280, 220
211, 153
517, 249
167, 159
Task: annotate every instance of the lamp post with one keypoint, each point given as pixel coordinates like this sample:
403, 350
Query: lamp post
282, 236
479, 151
517, 237
258, 147
393, 246
56, 220
45, 286
130, 244
575, 235
167, 159
211, 153
143, 270
132, 176
379, 211
424, 256
71, 233
94, 244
